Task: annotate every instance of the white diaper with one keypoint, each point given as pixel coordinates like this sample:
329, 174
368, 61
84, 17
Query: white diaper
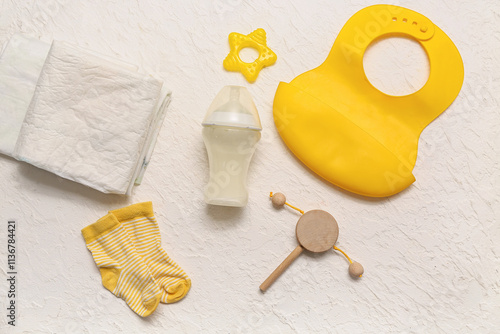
80, 116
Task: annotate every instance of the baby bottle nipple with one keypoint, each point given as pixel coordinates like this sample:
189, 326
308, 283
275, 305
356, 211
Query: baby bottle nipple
231, 130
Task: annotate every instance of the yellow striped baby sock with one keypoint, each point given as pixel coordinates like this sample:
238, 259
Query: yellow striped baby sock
141, 225
123, 271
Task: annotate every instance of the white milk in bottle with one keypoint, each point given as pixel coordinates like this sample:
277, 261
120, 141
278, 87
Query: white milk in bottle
231, 130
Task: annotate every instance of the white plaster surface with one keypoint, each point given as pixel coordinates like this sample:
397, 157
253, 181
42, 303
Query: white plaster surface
430, 253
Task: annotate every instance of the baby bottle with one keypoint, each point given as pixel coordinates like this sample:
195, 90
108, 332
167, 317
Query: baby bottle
231, 130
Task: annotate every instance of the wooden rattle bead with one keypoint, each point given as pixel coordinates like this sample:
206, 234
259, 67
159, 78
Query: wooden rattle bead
278, 199
356, 269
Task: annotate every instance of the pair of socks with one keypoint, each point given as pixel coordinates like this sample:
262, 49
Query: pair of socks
126, 246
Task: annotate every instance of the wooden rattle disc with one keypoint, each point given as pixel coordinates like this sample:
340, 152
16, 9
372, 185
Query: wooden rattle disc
317, 231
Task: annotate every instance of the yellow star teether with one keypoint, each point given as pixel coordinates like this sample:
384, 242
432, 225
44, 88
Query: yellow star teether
256, 40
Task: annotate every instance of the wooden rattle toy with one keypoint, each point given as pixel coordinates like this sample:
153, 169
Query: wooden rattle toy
316, 231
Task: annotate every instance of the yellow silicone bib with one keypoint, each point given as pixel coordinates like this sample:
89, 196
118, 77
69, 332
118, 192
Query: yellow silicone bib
349, 132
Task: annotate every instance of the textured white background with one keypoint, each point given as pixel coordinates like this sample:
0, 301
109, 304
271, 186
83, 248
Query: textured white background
430, 253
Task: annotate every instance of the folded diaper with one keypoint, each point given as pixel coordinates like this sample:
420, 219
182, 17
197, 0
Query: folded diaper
80, 116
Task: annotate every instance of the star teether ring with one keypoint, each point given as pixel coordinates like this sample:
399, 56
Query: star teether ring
256, 40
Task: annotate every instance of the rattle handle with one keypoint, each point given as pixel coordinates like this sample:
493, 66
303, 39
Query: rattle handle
281, 268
